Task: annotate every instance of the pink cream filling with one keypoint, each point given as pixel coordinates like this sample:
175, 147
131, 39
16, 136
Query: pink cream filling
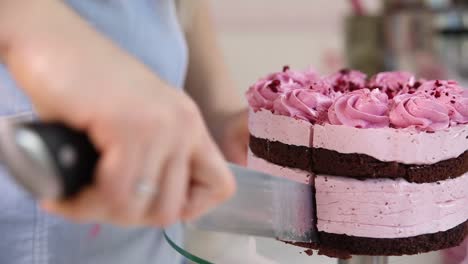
264, 124
385, 208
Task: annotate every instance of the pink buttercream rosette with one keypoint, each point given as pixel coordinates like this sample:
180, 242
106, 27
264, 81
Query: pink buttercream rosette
347, 80
395, 99
420, 111
305, 104
264, 92
450, 94
392, 83
361, 109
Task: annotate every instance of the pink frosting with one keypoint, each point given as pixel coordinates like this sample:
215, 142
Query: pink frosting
304, 95
304, 78
452, 95
288, 76
347, 80
262, 94
264, 124
458, 109
304, 104
362, 109
322, 86
391, 82
438, 88
420, 111
393, 145
388, 208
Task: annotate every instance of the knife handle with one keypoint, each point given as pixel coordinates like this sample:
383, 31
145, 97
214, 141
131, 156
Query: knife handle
70, 153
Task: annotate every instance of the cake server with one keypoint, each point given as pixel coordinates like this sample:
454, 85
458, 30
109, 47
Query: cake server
53, 161
265, 205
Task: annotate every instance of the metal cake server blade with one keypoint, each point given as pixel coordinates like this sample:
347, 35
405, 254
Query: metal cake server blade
265, 205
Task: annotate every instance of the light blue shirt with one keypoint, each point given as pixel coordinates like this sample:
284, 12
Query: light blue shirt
149, 30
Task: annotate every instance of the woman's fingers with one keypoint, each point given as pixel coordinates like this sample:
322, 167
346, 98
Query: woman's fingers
211, 181
236, 139
88, 205
146, 181
154, 185
172, 195
114, 179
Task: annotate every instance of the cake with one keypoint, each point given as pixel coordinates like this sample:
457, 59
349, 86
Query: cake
387, 156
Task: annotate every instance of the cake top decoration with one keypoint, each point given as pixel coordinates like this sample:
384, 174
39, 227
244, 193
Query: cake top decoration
361, 109
419, 110
347, 80
305, 104
388, 99
391, 82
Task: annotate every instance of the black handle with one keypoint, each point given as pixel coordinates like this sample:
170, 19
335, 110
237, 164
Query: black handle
73, 155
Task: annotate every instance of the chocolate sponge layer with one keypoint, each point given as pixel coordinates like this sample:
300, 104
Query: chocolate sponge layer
343, 246
297, 157
363, 166
359, 166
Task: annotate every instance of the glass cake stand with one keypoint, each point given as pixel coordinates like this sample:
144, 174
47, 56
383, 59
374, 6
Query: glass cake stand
229, 249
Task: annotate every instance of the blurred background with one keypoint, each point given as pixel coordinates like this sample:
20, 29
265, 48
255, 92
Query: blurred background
427, 37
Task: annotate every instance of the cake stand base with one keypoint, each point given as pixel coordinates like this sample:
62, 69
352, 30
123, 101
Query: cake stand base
365, 260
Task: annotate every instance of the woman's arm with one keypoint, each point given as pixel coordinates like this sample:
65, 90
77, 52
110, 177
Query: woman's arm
75, 75
209, 84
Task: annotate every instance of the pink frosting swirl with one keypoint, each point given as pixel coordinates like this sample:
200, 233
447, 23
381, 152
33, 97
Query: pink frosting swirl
362, 109
411, 87
304, 78
434, 87
262, 93
347, 80
304, 104
288, 76
391, 82
458, 108
450, 94
322, 86
420, 111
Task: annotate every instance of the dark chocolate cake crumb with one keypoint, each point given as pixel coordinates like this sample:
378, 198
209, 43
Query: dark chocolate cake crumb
350, 245
281, 154
343, 246
358, 166
361, 166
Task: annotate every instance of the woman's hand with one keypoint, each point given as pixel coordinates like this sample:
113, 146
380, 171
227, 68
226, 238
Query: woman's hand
158, 163
234, 138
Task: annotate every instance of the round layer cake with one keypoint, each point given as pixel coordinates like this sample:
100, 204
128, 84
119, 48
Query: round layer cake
387, 156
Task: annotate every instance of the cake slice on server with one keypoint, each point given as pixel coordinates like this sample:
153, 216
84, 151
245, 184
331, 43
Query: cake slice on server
283, 141
387, 157
281, 122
